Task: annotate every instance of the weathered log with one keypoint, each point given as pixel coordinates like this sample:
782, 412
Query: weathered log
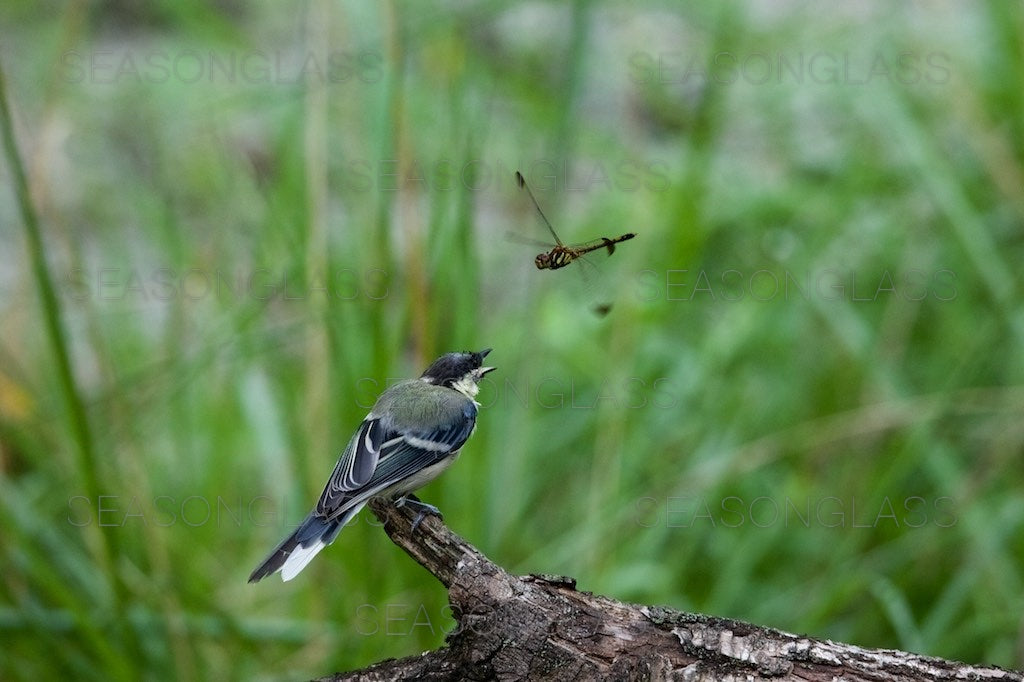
542, 628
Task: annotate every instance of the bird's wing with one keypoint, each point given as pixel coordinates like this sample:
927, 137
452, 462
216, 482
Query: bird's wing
382, 454
356, 466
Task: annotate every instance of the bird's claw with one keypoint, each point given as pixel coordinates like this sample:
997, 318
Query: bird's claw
422, 507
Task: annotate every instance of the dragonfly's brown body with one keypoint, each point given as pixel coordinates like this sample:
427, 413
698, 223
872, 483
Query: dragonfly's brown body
562, 255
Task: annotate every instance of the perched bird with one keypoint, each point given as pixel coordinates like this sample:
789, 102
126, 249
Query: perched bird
411, 435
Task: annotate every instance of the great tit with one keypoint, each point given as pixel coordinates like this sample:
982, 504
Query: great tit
411, 435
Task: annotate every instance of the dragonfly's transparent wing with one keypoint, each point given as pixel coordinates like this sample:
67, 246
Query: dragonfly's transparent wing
521, 181
514, 236
594, 285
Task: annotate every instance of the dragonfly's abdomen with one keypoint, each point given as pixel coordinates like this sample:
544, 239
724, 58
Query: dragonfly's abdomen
603, 243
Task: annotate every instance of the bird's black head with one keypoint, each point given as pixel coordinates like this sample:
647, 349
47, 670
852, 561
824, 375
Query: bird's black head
461, 371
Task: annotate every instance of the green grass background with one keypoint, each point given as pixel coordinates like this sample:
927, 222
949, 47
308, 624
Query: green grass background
241, 260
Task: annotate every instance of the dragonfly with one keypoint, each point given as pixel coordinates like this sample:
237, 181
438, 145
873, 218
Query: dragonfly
561, 254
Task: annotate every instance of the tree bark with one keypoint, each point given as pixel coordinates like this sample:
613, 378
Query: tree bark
540, 627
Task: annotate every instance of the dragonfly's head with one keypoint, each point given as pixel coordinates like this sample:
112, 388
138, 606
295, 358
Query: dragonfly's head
542, 261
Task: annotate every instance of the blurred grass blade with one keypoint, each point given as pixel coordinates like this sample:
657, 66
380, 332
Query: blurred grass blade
48, 299
51, 313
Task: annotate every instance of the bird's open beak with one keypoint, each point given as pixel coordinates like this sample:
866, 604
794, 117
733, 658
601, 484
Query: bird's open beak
484, 370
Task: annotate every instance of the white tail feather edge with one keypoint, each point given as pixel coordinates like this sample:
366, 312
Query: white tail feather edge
301, 556
298, 559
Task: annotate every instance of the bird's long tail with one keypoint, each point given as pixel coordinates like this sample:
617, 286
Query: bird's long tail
299, 548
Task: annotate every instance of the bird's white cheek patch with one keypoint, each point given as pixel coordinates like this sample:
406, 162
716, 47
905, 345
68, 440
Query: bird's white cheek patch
467, 387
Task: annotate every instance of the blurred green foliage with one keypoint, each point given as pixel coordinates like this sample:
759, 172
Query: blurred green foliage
803, 411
